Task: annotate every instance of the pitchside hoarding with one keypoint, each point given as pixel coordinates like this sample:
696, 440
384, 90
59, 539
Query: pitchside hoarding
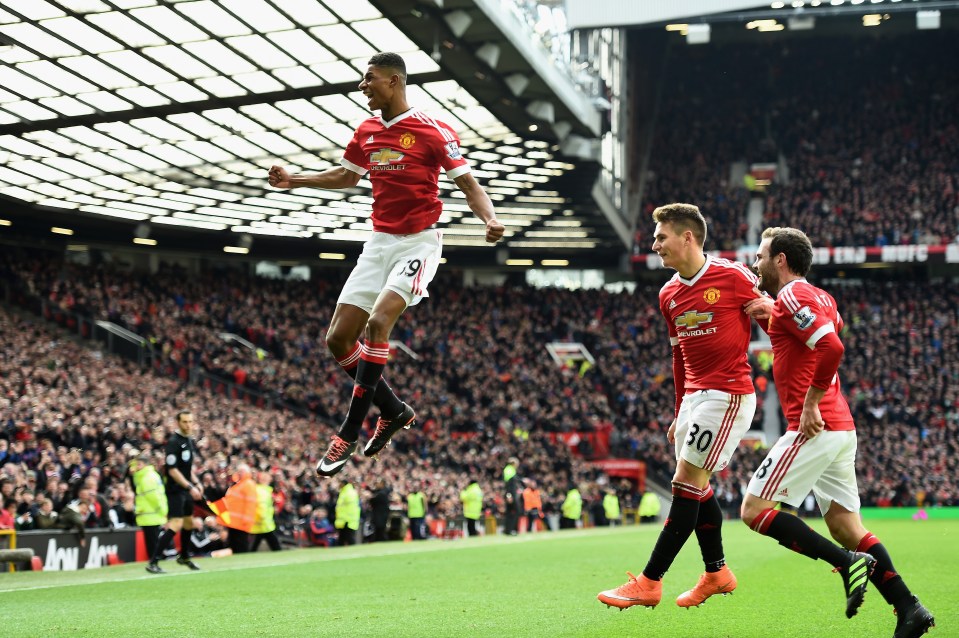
61, 551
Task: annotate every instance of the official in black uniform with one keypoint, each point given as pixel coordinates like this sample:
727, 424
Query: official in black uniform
181, 489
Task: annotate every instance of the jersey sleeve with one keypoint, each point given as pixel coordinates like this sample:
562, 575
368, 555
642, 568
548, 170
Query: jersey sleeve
670, 326
804, 318
353, 157
450, 156
170, 455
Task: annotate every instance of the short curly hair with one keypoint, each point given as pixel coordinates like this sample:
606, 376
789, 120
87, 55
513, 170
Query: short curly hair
389, 61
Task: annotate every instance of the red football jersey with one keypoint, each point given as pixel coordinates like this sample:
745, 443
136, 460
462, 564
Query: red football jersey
706, 319
801, 316
404, 157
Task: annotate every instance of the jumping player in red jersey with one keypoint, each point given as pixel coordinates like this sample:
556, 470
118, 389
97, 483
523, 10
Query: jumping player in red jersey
709, 330
403, 151
818, 450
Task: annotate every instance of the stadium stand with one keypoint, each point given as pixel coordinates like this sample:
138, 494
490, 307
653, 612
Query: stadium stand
481, 404
862, 130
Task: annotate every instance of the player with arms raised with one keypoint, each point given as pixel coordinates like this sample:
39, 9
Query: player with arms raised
818, 450
403, 150
709, 331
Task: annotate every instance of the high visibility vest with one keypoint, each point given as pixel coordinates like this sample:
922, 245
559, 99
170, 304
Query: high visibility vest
573, 505
264, 523
150, 502
416, 505
611, 507
348, 508
532, 500
237, 509
472, 498
649, 505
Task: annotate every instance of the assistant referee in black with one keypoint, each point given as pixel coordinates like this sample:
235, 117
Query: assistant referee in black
181, 489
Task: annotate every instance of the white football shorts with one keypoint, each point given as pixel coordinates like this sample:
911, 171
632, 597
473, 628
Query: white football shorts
405, 264
709, 426
826, 465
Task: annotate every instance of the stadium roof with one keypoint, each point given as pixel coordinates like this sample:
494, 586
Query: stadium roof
164, 115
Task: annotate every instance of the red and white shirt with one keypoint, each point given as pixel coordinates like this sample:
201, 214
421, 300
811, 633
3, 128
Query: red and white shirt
404, 157
802, 315
708, 324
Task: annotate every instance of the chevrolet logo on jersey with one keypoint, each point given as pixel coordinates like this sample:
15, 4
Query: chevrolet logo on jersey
691, 319
384, 156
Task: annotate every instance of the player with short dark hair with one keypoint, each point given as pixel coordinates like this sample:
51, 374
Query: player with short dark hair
818, 451
709, 331
403, 150
181, 490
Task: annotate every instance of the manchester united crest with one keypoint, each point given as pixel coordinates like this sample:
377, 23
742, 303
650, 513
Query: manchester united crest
711, 295
407, 140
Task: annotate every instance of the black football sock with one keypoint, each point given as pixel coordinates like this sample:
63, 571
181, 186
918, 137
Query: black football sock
793, 534
368, 372
679, 525
709, 531
186, 545
884, 576
166, 537
384, 398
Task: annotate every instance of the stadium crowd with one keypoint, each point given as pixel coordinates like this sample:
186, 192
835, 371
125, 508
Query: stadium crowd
484, 387
861, 129
71, 417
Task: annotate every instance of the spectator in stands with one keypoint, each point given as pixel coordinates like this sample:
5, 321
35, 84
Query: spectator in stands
121, 507
378, 292
208, 536
73, 517
321, 530
46, 515
8, 515
27, 502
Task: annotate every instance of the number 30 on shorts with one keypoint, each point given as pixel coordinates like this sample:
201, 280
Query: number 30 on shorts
697, 439
410, 268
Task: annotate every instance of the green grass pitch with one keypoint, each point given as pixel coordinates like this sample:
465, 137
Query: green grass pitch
536, 585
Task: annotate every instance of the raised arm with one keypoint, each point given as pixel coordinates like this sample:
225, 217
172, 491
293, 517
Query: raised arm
332, 178
481, 205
